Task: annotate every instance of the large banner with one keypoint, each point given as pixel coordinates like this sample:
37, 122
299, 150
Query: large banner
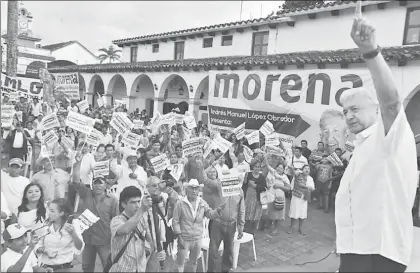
68, 84
293, 101
21, 86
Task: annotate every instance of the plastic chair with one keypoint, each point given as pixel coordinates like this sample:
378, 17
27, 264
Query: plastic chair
247, 237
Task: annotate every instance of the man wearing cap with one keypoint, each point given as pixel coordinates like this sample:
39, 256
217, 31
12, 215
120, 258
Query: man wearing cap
20, 257
98, 238
187, 223
129, 173
13, 184
54, 181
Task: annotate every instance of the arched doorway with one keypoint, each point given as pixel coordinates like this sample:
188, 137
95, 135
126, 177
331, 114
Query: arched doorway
174, 90
117, 88
96, 86
143, 91
201, 101
82, 87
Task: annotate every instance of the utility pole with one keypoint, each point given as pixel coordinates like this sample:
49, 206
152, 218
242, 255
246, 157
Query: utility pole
12, 35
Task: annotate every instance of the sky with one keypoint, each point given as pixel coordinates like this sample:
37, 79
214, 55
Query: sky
96, 23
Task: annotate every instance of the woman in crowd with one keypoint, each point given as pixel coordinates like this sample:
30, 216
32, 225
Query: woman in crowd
57, 249
70, 134
280, 185
221, 166
254, 184
32, 212
302, 185
100, 153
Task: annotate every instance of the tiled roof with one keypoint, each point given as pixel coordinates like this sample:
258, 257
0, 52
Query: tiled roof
399, 54
271, 19
190, 31
326, 5
58, 46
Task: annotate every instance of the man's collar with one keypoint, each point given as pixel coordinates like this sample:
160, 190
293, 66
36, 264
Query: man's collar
360, 137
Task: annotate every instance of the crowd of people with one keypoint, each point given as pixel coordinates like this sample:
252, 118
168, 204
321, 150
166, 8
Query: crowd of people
142, 212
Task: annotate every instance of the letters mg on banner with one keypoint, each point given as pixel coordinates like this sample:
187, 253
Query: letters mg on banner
67, 83
293, 101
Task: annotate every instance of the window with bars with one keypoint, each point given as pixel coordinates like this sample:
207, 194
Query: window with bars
133, 54
227, 40
260, 43
179, 50
155, 48
412, 26
207, 42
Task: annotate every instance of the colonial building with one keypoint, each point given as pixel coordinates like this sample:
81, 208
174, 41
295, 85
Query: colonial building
166, 70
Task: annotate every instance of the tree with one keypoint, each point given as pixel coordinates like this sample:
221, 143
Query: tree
12, 35
111, 54
289, 4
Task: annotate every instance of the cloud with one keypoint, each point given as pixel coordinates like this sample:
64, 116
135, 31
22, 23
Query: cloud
96, 23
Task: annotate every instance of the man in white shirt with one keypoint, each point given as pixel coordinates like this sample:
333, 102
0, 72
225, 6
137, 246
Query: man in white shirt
86, 167
13, 184
298, 160
19, 257
36, 107
131, 174
73, 107
373, 203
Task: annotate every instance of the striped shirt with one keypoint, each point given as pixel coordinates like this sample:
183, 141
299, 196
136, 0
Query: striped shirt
134, 257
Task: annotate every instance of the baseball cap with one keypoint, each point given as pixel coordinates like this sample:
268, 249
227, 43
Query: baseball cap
16, 161
99, 179
14, 231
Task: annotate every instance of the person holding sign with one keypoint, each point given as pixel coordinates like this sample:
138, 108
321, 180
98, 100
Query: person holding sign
187, 223
64, 240
388, 181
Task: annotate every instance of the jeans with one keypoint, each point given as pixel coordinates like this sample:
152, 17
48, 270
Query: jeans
89, 256
219, 233
194, 247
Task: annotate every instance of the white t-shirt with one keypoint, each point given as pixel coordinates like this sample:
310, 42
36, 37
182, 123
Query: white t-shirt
298, 163
36, 109
10, 258
12, 188
382, 172
18, 141
86, 168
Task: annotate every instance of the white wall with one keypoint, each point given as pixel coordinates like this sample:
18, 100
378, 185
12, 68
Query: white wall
326, 32
75, 53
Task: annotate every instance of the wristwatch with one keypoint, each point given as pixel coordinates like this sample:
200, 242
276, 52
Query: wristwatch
372, 54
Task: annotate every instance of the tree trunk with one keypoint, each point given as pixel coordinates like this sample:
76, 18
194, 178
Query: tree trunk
12, 34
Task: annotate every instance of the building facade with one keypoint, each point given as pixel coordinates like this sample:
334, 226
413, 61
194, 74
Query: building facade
167, 70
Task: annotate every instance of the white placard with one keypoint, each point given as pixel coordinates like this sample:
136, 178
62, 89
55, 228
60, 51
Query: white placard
68, 84
222, 144
160, 163
50, 138
79, 122
248, 154
208, 147
121, 123
253, 137
83, 106
179, 119
100, 102
267, 128
101, 168
190, 122
138, 123
131, 139
230, 185
94, 137
239, 131
274, 151
176, 171
7, 114
49, 122
272, 140
191, 146
86, 220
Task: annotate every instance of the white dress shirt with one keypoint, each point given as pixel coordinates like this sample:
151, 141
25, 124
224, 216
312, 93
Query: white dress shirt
12, 188
86, 169
124, 180
377, 191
